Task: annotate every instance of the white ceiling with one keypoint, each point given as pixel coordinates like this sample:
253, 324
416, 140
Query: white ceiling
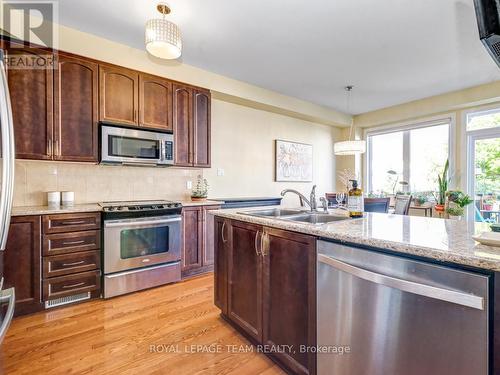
392, 51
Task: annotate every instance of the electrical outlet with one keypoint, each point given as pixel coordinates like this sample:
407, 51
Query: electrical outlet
220, 172
189, 184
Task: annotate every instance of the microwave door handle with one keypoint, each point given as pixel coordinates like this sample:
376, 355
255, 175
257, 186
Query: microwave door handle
8, 155
162, 151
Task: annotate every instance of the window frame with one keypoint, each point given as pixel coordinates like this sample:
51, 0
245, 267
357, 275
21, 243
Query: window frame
405, 127
469, 138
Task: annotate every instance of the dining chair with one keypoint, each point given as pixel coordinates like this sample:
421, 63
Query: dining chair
402, 204
377, 204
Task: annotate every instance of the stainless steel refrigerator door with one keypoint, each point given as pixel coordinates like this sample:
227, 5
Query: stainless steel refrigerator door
8, 155
7, 190
398, 316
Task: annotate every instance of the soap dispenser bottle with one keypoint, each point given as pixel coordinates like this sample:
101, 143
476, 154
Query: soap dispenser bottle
355, 202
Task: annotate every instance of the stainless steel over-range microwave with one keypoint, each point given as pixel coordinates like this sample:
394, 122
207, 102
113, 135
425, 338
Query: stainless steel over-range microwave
136, 147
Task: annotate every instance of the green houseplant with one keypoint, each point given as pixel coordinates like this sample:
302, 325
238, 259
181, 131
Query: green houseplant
420, 199
200, 192
443, 181
455, 212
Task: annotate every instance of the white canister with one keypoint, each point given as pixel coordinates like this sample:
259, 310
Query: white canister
53, 198
68, 198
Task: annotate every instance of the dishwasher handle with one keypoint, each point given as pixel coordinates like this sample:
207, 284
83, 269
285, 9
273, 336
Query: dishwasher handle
447, 295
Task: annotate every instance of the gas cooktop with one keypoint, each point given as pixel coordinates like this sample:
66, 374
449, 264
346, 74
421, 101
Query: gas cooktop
138, 206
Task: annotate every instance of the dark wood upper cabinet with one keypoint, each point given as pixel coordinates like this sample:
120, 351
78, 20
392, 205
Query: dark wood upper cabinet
155, 102
244, 273
21, 260
289, 296
201, 125
75, 103
31, 95
191, 116
183, 125
118, 95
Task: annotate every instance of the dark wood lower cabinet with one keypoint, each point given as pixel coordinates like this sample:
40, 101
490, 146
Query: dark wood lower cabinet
289, 297
222, 241
197, 240
21, 260
265, 285
244, 276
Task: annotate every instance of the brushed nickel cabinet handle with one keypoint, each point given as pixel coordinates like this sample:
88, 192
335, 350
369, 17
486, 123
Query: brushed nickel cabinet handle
73, 222
73, 285
57, 152
49, 147
73, 242
73, 264
256, 243
222, 232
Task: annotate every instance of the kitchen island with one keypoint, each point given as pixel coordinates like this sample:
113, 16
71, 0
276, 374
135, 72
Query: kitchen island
265, 272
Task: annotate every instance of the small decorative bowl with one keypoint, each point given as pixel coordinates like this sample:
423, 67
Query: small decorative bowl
495, 227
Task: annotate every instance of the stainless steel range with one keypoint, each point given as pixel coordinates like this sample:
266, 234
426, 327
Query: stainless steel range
142, 245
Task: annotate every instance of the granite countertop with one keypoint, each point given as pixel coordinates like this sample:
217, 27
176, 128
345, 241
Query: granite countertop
46, 210
90, 207
438, 239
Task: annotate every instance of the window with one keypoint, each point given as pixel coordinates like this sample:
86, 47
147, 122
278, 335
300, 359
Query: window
407, 160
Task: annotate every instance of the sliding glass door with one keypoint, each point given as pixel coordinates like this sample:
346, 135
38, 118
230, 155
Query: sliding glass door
483, 165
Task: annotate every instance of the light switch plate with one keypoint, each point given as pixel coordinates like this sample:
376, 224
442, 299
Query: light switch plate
189, 184
220, 172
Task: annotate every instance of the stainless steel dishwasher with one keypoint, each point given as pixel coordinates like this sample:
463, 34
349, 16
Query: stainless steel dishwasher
379, 314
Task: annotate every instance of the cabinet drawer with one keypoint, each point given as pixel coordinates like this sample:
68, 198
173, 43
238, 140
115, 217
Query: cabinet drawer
64, 286
71, 222
65, 243
66, 264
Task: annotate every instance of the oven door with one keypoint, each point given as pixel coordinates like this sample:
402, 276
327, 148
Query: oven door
141, 242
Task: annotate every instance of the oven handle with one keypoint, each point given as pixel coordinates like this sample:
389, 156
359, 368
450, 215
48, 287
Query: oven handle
127, 223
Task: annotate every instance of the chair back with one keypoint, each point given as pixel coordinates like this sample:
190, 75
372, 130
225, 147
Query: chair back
377, 204
402, 204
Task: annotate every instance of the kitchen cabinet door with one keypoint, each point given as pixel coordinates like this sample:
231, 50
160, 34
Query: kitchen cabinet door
201, 125
31, 96
118, 95
192, 227
289, 299
208, 235
21, 258
155, 102
244, 287
75, 118
222, 246
183, 125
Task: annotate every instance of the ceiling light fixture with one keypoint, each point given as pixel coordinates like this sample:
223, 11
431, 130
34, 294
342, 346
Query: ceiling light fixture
349, 147
163, 38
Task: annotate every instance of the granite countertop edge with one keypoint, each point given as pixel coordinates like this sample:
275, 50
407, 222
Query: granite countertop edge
468, 253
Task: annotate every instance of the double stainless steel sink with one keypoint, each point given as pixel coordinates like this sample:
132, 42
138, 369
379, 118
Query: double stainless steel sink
297, 215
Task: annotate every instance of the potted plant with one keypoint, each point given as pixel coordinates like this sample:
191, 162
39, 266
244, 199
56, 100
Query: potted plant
455, 212
420, 199
457, 200
200, 192
488, 204
442, 188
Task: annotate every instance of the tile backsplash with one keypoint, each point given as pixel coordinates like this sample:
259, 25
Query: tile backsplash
98, 183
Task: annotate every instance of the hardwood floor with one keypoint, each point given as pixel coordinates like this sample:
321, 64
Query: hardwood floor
149, 332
